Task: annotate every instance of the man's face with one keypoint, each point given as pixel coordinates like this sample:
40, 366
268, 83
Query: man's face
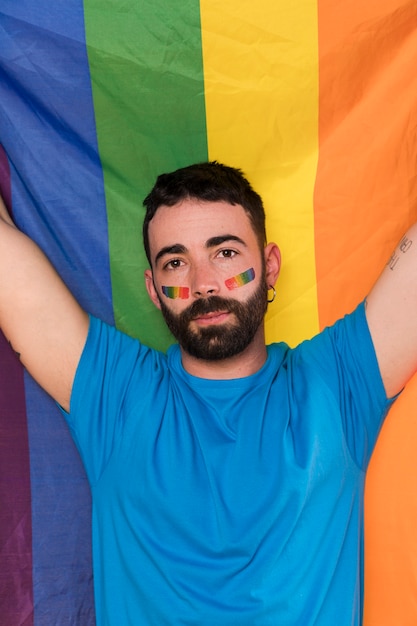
217, 341
208, 277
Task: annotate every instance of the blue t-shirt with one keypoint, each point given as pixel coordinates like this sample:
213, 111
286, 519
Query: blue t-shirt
220, 502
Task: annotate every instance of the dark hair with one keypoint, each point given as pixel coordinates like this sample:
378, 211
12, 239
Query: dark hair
211, 182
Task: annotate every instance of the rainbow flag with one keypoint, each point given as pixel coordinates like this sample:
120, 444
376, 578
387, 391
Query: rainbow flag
317, 102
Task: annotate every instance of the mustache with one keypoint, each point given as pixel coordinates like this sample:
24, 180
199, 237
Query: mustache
212, 304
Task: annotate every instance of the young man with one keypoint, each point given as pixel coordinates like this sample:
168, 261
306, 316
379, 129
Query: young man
227, 476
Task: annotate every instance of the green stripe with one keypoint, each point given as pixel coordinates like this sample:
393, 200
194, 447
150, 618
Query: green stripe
148, 88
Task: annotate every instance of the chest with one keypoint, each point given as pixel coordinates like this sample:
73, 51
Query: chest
230, 466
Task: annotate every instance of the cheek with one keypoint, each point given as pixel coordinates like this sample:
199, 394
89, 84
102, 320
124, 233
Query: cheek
241, 279
174, 293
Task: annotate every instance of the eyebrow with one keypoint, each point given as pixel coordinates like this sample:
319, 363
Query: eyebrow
217, 241
178, 248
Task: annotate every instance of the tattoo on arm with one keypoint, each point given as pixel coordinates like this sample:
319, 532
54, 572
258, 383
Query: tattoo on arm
403, 247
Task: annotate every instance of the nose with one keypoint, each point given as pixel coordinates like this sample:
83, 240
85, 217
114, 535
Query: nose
204, 281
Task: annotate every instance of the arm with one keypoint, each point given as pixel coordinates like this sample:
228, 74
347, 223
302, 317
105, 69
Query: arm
392, 315
38, 315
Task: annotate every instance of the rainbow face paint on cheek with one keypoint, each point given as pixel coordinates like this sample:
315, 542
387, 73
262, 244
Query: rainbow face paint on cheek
176, 292
241, 279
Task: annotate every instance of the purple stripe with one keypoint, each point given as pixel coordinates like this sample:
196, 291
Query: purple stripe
5, 190
16, 601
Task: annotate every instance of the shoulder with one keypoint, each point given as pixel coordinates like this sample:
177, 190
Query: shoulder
343, 357
108, 348
350, 334
348, 338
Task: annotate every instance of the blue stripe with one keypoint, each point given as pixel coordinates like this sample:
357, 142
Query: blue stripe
61, 518
47, 128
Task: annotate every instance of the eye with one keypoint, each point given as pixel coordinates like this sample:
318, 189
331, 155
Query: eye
227, 253
173, 264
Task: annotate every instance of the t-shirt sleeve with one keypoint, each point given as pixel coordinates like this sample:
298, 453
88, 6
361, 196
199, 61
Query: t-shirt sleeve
111, 364
343, 355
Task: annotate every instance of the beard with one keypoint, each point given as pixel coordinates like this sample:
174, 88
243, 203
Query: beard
219, 341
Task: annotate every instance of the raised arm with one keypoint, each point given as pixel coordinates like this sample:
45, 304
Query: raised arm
38, 315
392, 315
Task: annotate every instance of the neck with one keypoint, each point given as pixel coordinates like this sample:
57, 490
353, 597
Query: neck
241, 365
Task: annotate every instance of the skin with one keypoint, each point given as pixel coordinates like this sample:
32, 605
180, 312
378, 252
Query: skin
200, 245
391, 314
38, 315
47, 327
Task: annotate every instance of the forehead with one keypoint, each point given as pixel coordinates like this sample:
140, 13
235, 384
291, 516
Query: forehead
193, 222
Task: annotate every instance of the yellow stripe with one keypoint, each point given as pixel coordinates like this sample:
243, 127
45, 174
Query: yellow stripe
261, 89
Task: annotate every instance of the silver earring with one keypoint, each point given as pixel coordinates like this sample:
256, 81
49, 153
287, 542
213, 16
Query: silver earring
270, 300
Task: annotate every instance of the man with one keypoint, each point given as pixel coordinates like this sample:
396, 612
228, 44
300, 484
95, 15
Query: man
227, 477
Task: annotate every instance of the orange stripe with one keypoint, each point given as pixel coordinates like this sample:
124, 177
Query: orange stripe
391, 519
367, 61
365, 197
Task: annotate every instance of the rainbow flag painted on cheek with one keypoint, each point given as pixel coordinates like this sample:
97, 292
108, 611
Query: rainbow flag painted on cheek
317, 103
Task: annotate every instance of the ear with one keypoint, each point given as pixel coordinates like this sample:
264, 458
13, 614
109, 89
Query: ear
150, 288
272, 263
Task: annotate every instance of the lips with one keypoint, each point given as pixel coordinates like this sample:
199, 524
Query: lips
213, 317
